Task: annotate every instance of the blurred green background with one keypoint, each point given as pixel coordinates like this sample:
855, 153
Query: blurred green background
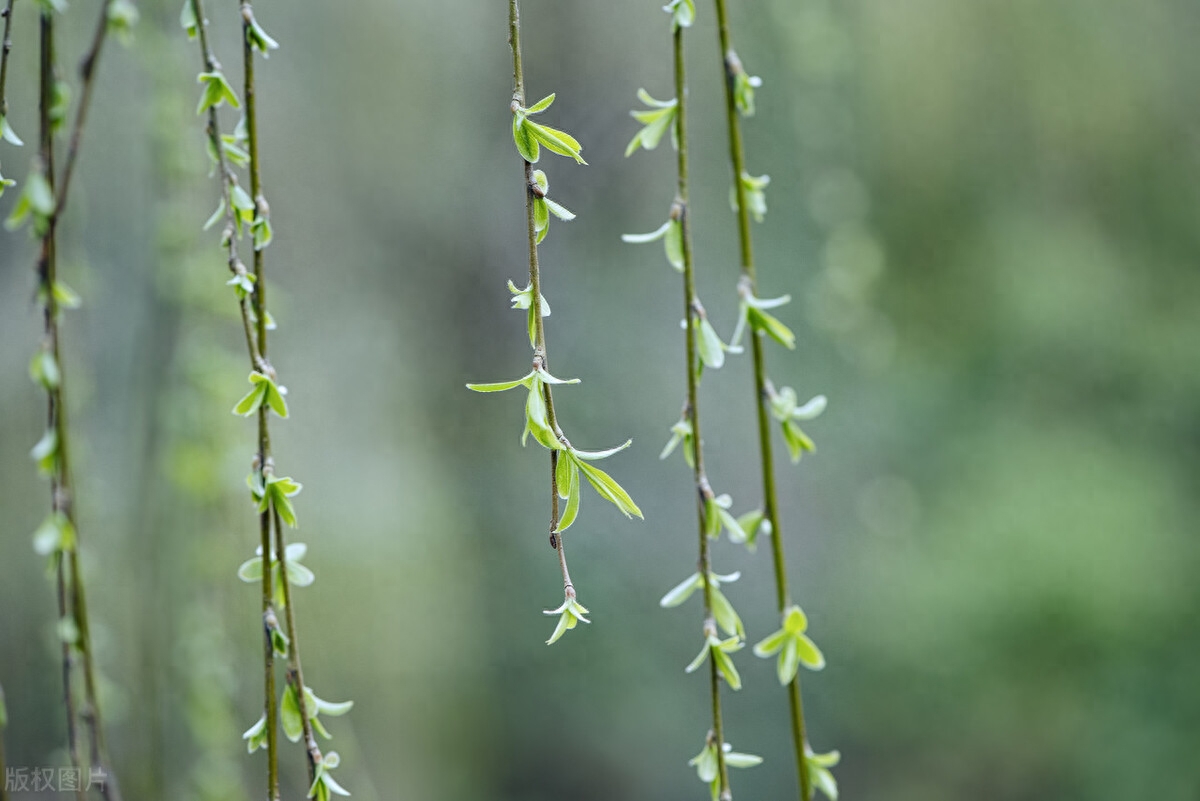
986, 215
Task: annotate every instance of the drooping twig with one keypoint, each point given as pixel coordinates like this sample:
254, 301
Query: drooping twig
540, 356
732, 67
254, 329
704, 493
71, 597
5, 49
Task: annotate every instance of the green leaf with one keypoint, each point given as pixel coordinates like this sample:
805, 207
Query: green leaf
216, 91
712, 349
706, 764
751, 523
641, 239
55, 534
761, 321
794, 620
259, 39
279, 492
737, 760
526, 144
541, 105
556, 141
726, 667
122, 17
502, 386
256, 735
320, 706
809, 653
725, 615
610, 489
797, 441
188, 21
43, 370
36, 202
681, 591
789, 662
570, 614
683, 12
45, 453
822, 778
771, 644
251, 570
251, 402
744, 85
289, 715
541, 218
573, 494
592, 456
681, 432
561, 212
65, 297
709, 646
656, 121
536, 416
8, 134
673, 244
261, 229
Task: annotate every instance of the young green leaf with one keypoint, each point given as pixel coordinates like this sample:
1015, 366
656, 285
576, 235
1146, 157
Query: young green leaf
259, 39
822, 777
793, 646
216, 91
604, 484
570, 614
502, 386
659, 118
187, 19
8, 134
683, 12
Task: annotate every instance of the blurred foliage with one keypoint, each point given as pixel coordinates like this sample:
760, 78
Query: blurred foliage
986, 212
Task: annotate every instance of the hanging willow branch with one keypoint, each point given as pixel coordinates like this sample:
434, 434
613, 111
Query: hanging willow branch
42, 203
748, 199
568, 465
703, 348
277, 566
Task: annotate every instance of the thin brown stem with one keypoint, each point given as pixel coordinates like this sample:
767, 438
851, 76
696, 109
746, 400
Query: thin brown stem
737, 160
535, 281
87, 73
295, 674
253, 318
682, 213
60, 478
5, 49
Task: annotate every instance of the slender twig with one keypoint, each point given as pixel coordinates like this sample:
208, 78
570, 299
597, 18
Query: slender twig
761, 399
69, 582
295, 674
87, 70
691, 303
91, 710
258, 299
5, 48
540, 357
254, 329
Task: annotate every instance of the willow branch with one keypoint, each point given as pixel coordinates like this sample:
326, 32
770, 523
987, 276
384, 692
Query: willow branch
256, 347
737, 160
540, 355
5, 48
690, 311
87, 72
295, 674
